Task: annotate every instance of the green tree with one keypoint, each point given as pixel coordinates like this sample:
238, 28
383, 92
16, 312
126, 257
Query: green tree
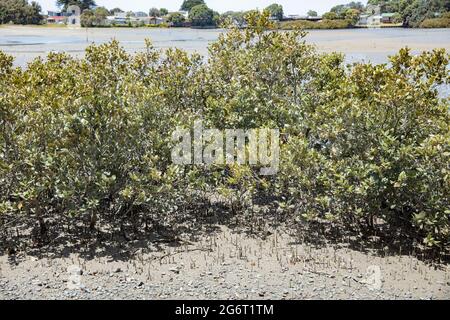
352, 15
154, 12
189, 4
163, 11
83, 4
94, 18
312, 13
176, 19
413, 12
201, 16
342, 9
356, 5
330, 16
100, 13
237, 18
33, 13
115, 10
276, 11
20, 12
339, 9
87, 18
419, 10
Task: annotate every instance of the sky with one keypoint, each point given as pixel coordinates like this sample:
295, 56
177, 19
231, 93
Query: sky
290, 6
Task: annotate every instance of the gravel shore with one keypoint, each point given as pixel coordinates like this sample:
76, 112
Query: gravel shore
225, 265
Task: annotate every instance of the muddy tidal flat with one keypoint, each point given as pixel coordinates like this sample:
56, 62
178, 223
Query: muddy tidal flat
375, 45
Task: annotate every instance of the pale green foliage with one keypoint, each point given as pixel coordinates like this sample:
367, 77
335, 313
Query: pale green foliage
201, 16
379, 149
276, 11
90, 138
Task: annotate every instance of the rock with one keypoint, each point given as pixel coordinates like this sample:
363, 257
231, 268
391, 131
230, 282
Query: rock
174, 270
37, 282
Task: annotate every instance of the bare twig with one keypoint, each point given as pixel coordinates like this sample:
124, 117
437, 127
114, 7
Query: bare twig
181, 251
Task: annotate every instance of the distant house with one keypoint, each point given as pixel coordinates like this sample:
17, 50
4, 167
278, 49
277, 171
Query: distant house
369, 21
314, 18
55, 13
119, 18
140, 14
293, 17
56, 17
156, 20
71, 17
134, 18
74, 16
374, 20
372, 17
114, 20
388, 17
363, 19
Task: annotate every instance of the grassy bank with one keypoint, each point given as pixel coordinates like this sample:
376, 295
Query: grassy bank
436, 23
324, 24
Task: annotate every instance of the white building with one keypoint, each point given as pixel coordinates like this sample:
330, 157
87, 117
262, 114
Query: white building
140, 14
372, 17
374, 20
74, 16
126, 18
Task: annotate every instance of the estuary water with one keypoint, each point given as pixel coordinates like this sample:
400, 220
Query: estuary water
370, 45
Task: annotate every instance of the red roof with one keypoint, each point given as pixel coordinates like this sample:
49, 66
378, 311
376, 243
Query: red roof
56, 18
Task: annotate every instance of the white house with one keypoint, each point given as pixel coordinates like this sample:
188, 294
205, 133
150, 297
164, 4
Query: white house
363, 19
372, 17
140, 14
138, 18
156, 20
74, 16
374, 20
388, 17
369, 21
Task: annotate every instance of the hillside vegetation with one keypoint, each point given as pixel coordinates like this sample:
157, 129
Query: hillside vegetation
323, 24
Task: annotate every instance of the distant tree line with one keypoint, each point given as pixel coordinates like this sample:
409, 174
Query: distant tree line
20, 12
414, 12
411, 13
83, 4
94, 18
